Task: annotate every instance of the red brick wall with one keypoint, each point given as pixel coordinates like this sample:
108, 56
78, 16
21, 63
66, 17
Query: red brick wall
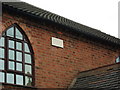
57, 67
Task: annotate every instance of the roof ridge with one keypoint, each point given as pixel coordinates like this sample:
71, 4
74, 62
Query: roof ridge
41, 13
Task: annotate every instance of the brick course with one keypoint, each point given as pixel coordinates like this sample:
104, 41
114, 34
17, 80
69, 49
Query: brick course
56, 67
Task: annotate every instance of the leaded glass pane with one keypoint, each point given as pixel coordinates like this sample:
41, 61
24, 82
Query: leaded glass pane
28, 81
11, 54
27, 58
18, 46
2, 77
19, 79
10, 32
19, 56
26, 47
10, 78
11, 65
18, 34
2, 53
11, 44
19, 66
2, 41
2, 64
28, 69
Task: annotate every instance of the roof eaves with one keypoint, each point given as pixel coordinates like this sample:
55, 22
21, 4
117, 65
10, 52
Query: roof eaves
39, 13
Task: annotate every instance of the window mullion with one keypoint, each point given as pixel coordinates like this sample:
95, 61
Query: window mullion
7, 53
14, 32
6, 57
15, 54
33, 69
23, 58
17, 39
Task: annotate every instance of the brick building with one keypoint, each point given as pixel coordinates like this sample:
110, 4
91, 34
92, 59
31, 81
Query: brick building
39, 49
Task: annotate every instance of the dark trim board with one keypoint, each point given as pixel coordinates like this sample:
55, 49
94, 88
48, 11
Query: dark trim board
38, 13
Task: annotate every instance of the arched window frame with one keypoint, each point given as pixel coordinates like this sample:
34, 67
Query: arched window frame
6, 60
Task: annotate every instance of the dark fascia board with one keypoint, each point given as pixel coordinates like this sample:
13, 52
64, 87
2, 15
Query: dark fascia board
74, 27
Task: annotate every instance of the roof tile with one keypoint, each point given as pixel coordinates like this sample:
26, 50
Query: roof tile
40, 13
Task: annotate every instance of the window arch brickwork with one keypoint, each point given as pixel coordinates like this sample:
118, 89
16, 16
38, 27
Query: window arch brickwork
16, 57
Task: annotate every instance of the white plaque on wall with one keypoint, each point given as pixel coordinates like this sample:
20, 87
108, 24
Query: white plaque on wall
57, 42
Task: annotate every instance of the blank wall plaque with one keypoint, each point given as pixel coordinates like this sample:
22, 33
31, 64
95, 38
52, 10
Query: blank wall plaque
57, 42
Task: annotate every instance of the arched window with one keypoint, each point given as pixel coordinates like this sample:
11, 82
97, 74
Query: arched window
117, 60
16, 57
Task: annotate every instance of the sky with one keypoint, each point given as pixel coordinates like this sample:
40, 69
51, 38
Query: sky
98, 14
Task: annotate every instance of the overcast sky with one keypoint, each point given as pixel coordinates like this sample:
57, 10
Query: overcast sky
98, 14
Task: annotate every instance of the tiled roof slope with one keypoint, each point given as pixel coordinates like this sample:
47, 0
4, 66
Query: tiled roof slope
103, 78
79, 28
